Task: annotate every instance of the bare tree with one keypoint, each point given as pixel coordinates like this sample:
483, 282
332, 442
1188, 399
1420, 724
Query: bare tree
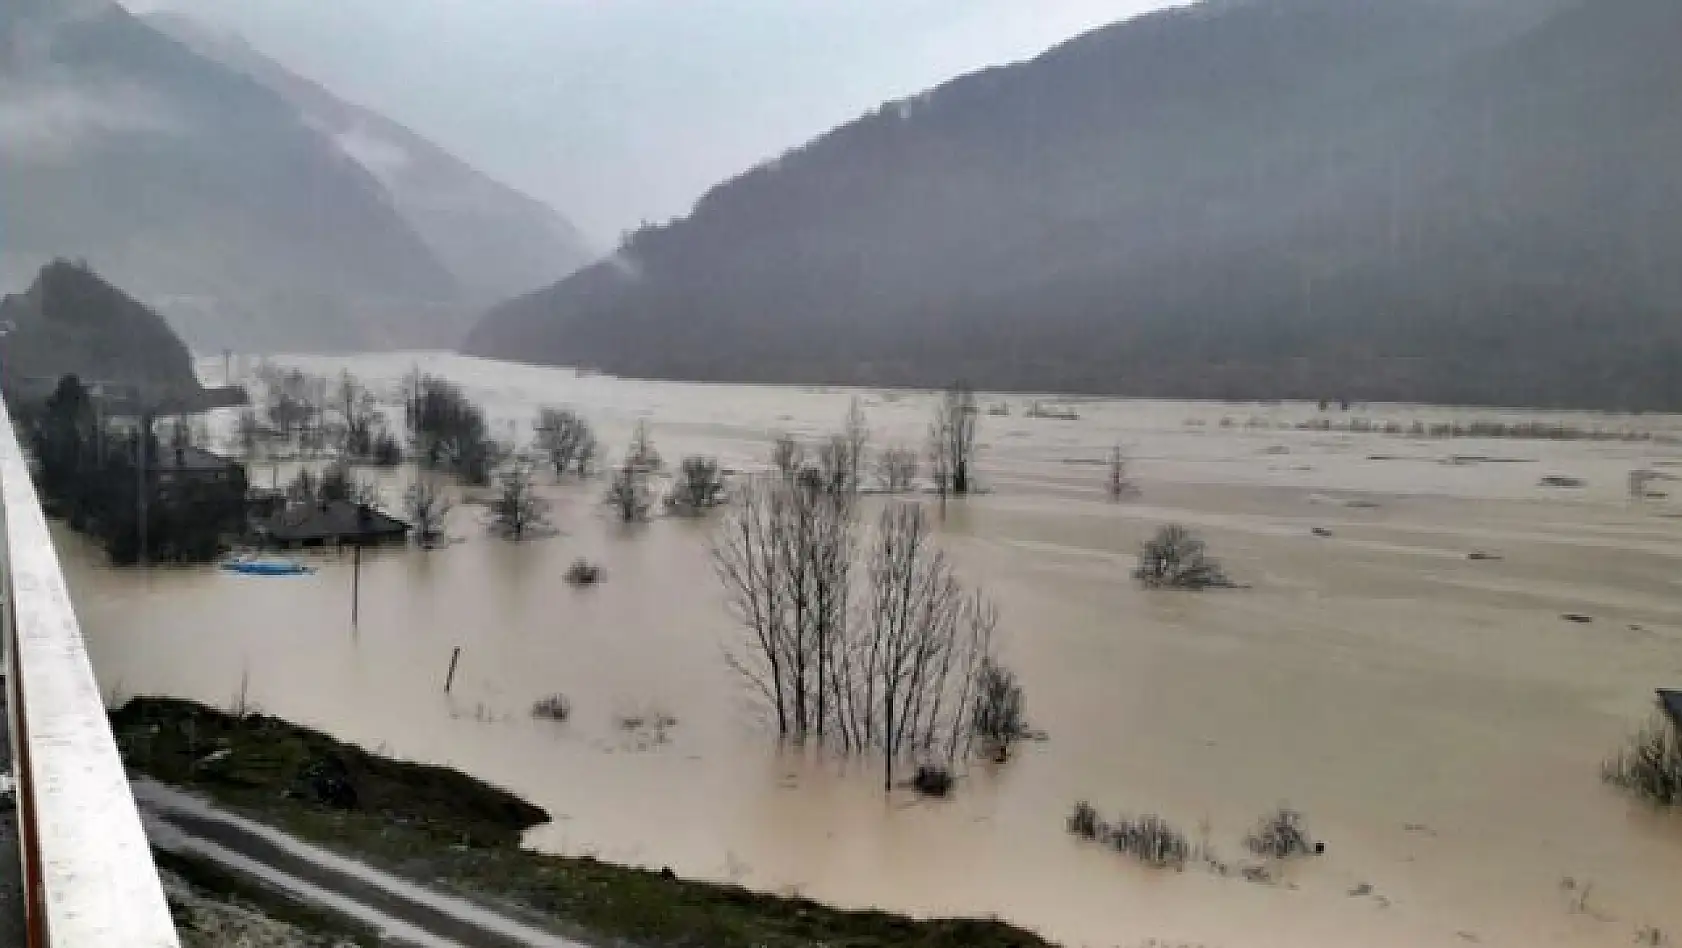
338, 482
1119, 485
747, 555
785, 557
1177, 558
923, 643
1649, 764
852, 444
517, 511
788, 455
952, 440
891, 666
642, 453
698, 486
359, 424
249, 432
427, 507
304, 487
627, 492
584, 461
896, 469
566, 439
999, 717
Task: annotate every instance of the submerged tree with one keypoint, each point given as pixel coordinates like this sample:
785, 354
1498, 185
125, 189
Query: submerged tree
698, 486
248, 433
784, 556
1000, 715
359, 422
1177, 558
449, 431
627, 493
896, 469
923, 643
339, 483
517, 511
642, 454
566, 440
427, 508
841, 456
1650, 763
788, 455
1119, 485
889, 666
952, 440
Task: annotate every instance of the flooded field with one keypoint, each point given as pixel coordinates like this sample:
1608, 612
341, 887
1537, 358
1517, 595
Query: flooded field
1437, 720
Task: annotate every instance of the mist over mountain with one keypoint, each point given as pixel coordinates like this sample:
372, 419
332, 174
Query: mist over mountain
204, 193
494, 240
1446, 200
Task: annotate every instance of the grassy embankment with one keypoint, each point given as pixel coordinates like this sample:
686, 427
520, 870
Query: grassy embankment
432, 823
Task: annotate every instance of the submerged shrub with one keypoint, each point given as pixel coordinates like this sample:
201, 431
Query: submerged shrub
1176, 558
556, 707
582, 572
1650, 763
1152, 840
999, 716
932, 781
1084, 822
1281, 835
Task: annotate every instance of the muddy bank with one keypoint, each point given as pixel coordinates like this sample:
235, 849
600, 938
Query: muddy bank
433, 824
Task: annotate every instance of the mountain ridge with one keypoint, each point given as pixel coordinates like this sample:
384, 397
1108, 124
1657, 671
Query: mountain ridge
70, 321
200, 191
493, 238
1272, 198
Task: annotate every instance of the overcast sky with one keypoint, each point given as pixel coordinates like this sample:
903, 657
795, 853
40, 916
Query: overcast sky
618, 111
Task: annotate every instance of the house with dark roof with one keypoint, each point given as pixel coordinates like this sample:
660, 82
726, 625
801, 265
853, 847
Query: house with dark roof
178, 465
1671, 702
331, 523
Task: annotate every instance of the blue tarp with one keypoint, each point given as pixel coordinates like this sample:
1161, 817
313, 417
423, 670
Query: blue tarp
262, 567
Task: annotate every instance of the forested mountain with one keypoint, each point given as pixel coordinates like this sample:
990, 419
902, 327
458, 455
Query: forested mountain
199, 190
1448, 200
71, 322
494, 240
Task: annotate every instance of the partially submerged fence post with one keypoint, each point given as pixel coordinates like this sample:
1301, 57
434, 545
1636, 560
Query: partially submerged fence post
450, 678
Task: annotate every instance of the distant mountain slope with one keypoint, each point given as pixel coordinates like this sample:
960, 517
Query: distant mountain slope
71, 322
495, 240
1447, 200
199, 190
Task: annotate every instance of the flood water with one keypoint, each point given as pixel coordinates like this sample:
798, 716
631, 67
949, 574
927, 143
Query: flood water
1438, 722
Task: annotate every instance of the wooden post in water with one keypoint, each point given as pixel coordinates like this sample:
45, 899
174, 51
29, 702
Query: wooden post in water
355, 583
142, 482
451, 677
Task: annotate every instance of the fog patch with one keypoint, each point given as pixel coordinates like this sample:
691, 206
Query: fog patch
383, 158
45, 121
623, 264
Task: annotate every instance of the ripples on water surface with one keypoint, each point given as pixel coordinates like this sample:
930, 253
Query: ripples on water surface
1438, 722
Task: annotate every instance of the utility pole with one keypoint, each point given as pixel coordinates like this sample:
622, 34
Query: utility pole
141, 480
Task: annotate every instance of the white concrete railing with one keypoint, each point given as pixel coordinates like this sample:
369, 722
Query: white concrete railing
89, 880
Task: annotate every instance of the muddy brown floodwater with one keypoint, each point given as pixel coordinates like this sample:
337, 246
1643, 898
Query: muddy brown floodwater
1439, 723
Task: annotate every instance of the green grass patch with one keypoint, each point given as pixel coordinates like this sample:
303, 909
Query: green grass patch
433, 824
